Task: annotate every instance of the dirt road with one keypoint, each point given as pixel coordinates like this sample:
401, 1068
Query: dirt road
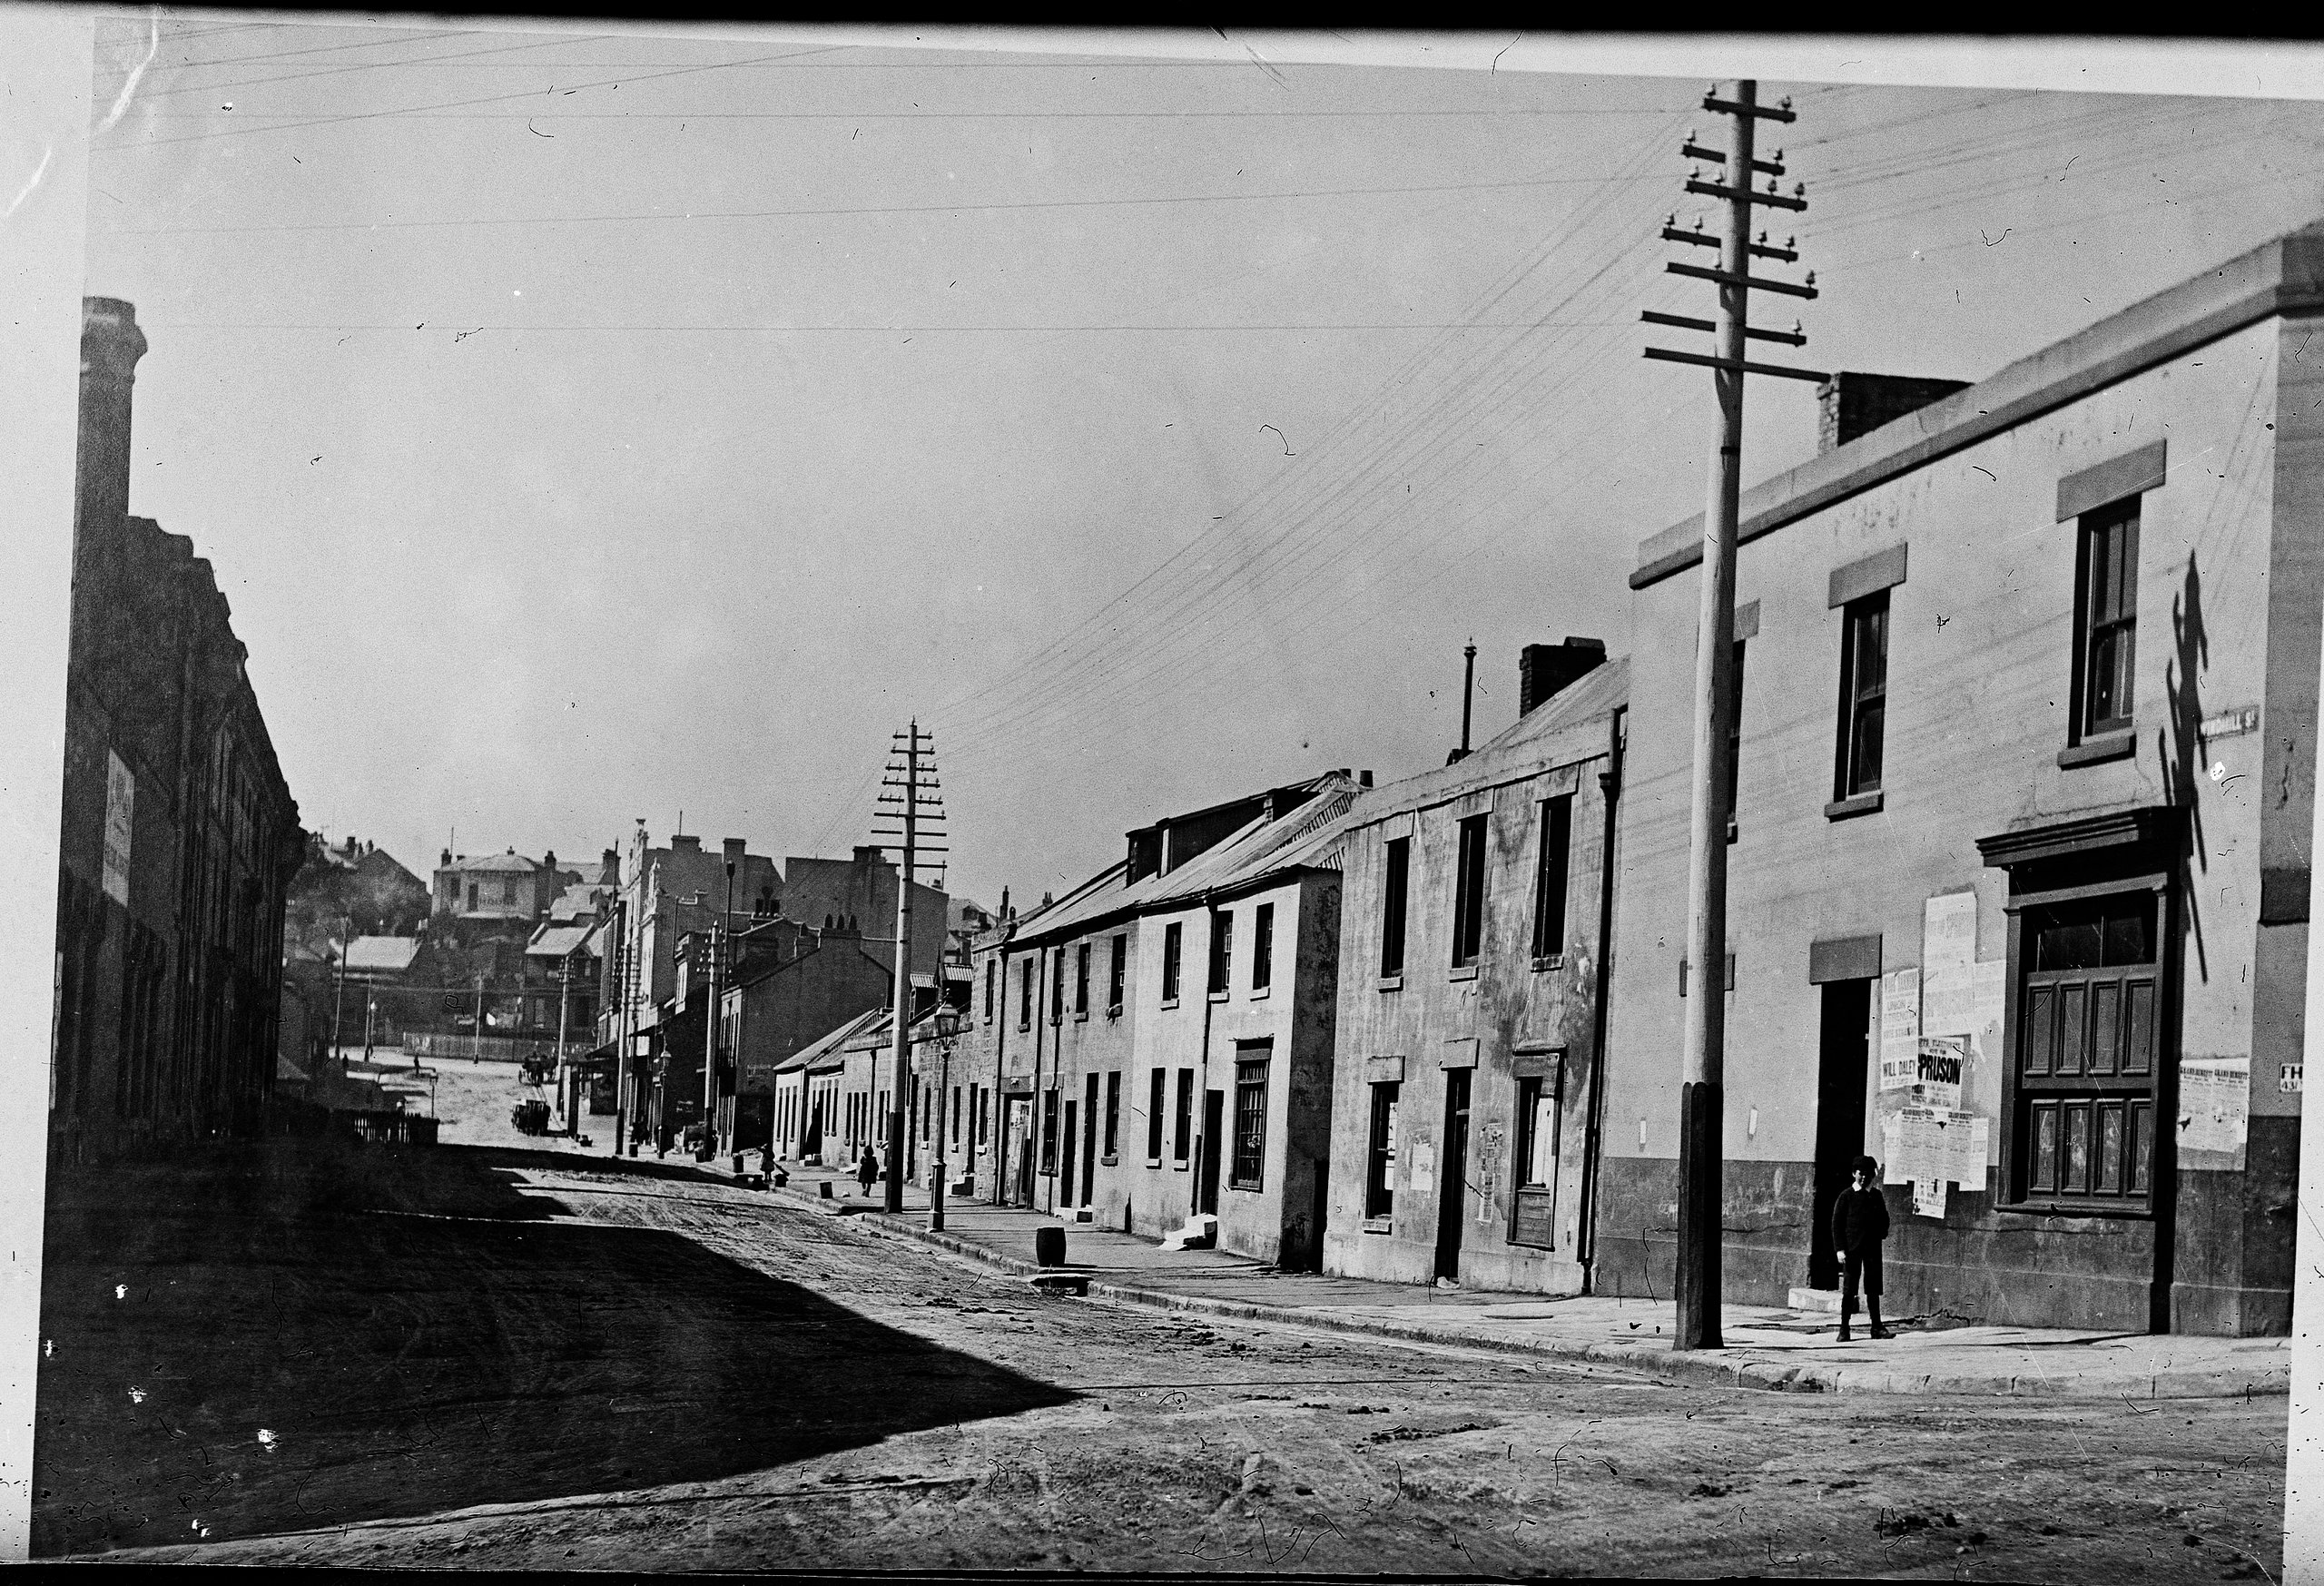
496, 1359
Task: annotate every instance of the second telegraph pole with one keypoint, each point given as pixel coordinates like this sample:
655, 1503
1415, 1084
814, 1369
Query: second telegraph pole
911, 782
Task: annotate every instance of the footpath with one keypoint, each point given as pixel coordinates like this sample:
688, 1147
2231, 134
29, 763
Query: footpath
1768, 1348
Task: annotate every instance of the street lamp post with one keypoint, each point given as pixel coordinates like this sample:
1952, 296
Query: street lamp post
948, 1029
339, 997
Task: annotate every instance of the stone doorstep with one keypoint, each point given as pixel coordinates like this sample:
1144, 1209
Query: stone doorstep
1725, 1369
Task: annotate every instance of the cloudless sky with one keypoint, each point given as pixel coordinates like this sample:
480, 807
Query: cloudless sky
587, 427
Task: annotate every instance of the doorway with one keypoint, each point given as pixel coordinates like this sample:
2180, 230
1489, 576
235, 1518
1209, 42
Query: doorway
1453, 1199
1844, 1051
1064, 1190
1090, 1143
1310, 1257
1214, 1125
1016, 1165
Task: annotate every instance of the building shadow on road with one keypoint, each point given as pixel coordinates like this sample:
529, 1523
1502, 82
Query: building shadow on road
302, 1335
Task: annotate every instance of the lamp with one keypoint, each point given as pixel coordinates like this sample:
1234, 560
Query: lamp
946, 1020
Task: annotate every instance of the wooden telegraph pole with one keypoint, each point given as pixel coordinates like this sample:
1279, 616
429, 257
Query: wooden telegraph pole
1702, 1100
911, 797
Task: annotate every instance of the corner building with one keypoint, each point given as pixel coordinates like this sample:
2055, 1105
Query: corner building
179, 836
2018, 861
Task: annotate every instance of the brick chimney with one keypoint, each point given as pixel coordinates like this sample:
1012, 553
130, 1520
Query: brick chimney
110, 345
1543, 670
1857, 404
733, 847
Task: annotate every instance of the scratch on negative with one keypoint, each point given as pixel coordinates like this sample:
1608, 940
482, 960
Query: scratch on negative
129, 88
48, 152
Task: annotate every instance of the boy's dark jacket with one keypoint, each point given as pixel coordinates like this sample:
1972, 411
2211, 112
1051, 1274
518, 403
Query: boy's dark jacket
1859, 1221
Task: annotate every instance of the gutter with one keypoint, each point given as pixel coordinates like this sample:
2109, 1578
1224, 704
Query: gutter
1592, 1150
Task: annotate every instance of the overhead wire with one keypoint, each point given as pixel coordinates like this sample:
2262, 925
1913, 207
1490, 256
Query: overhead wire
1219, 658
402, 37
1444, 412
339, 71
1353, 417
1864, 132
1347, 477
455, 104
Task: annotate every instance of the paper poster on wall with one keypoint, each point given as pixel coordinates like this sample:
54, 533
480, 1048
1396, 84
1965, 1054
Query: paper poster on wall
1900, 1030
2214, 1099
121, 801
1937, 1080
1424, 1166
1926, 1143
1949, 933
1928, 1199
1488, 1159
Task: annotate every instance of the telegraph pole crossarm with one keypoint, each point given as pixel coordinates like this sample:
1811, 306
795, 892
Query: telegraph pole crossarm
1703, 1088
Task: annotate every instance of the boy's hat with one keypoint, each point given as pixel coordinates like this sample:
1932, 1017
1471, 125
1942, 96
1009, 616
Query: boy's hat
1867, 1166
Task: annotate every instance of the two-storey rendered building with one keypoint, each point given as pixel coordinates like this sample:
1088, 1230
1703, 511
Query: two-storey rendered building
2019, 871
1465, 1108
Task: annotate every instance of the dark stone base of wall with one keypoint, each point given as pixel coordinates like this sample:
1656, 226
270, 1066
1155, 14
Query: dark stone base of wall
1979, 1264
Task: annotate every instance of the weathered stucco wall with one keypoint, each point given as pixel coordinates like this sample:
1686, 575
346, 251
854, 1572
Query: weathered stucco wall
1979, 660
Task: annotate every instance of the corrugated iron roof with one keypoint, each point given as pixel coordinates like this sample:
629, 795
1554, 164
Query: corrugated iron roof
557, 941
387, 955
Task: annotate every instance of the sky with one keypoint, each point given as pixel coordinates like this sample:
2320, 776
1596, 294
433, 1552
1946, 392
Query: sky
589, 427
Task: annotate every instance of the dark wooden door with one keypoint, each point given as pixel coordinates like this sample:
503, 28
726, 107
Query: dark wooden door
1844, 1052
1452, 1183
1213, 1129
1090, 1142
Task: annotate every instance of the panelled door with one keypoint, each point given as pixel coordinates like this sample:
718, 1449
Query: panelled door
2089, 1050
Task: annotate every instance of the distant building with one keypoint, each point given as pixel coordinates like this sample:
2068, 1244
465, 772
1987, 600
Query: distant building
665, 895
788, 986
495, 887
354, 883
180, 837
859, 893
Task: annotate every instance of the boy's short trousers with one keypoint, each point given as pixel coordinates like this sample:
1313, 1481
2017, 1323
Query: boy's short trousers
1865, 1267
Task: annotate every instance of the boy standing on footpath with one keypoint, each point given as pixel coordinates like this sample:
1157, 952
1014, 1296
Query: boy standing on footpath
1859, 1223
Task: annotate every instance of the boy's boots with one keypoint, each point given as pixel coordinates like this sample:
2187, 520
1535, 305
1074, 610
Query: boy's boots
1872, 1304
1847, 1309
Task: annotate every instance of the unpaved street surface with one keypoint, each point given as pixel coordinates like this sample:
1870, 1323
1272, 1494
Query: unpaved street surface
481, 1358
